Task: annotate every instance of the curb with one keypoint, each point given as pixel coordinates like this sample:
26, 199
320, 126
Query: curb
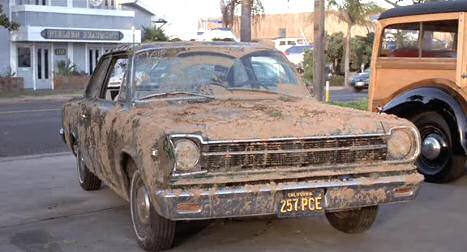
36, 156
26, 99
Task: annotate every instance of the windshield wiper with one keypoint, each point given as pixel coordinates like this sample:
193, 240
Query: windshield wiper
175, 93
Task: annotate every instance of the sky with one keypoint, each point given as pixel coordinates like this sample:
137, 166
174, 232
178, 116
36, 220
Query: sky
183, 15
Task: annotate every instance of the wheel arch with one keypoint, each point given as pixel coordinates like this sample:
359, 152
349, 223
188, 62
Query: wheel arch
125, 158
433, 98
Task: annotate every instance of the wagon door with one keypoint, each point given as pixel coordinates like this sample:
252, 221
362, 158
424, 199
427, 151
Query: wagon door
461, 73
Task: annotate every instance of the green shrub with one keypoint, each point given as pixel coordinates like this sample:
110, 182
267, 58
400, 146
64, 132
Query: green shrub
337, 80
154, 34
360, 104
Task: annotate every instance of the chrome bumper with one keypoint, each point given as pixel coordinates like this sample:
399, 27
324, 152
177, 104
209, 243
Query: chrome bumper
264, 199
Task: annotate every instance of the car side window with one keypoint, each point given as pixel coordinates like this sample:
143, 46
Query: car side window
94, 87
440, 39
400, 40
118, 74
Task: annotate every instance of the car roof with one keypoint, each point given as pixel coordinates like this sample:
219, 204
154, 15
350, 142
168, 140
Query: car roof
426, 8
235, 47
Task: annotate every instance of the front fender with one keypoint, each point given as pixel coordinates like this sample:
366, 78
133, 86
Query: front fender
431, 99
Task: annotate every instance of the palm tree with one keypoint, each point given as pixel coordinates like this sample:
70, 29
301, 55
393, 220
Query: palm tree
353, 12
250, 9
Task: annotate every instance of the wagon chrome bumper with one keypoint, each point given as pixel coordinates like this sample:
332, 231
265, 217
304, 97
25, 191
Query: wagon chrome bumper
263, 199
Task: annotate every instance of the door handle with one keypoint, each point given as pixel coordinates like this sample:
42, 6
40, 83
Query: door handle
464, 76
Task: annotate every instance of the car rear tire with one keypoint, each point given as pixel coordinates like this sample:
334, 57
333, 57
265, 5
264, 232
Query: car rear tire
353, 221
86, 179
437, 161
153, 232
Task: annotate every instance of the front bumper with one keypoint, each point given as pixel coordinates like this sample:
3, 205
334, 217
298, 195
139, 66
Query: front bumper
263, 199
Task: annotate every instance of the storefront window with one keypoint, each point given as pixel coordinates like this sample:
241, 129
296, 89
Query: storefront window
24, 57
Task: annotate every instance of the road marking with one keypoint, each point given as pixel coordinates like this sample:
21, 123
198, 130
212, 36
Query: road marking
27, 111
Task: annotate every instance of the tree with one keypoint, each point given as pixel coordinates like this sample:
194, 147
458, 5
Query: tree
251, 9
245, 29
5, 21
353, 12
319, 48
396, 3
154, 34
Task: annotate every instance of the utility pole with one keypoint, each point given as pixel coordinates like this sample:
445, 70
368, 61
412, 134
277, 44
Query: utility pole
245, 30
318, 50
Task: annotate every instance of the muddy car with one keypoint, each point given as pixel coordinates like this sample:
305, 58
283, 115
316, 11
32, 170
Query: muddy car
419, 72
218, 130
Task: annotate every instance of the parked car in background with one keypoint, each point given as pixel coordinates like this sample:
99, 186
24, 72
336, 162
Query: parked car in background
222, 34
422, 76
295, 54
283, 44
361, 80
221, 130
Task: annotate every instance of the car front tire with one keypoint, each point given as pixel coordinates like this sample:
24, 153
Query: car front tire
87, 180
153, 232
437, 161
353, 221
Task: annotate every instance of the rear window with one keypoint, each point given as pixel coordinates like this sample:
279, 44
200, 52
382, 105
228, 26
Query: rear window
436, 39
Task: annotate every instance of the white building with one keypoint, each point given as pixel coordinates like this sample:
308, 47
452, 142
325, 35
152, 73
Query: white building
58, 30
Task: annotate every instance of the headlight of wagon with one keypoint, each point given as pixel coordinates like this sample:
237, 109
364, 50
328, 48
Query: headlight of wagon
403, 143
187, 155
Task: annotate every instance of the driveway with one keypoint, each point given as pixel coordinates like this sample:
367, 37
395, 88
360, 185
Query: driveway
44, 209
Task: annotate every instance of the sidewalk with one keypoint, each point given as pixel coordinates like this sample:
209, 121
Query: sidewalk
29, 97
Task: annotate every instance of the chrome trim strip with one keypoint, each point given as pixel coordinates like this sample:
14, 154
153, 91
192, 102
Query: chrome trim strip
296, 186
203, 141
353, 148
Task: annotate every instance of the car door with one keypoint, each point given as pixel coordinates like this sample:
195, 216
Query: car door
86, 139
461, 74
101, 111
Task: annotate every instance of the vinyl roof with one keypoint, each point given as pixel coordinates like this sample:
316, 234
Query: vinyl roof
427, 8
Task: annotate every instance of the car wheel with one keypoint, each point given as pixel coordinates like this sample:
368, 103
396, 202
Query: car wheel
87, 180
153, 232
353, 221
437, 160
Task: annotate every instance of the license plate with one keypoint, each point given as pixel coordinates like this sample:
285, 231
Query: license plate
360, 83
301, 203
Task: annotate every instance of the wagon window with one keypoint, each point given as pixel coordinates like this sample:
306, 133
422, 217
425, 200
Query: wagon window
400, 40
440, 39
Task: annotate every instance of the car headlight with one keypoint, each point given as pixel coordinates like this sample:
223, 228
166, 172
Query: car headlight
187, 155
401, 144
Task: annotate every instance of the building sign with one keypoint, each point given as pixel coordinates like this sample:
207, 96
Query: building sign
60, 51
81, 34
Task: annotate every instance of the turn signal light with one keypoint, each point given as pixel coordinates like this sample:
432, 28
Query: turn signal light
188, 208
403, 192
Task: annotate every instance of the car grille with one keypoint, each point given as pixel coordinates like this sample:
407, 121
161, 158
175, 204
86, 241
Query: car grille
292, 153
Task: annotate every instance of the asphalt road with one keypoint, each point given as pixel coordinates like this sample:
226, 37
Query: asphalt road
43, 209
28, 128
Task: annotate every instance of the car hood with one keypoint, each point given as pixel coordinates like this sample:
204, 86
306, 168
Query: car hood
261, 119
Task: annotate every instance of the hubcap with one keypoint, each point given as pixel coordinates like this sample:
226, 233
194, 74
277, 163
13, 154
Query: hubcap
140, 207
142, 204
80, 164
432, 146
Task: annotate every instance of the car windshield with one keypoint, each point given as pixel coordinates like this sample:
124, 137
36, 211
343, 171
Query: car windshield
204, 73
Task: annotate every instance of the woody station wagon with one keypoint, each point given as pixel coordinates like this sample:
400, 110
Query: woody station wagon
419, 72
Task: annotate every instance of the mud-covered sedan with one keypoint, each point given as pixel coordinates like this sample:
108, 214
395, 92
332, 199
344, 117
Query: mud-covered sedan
215, 130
